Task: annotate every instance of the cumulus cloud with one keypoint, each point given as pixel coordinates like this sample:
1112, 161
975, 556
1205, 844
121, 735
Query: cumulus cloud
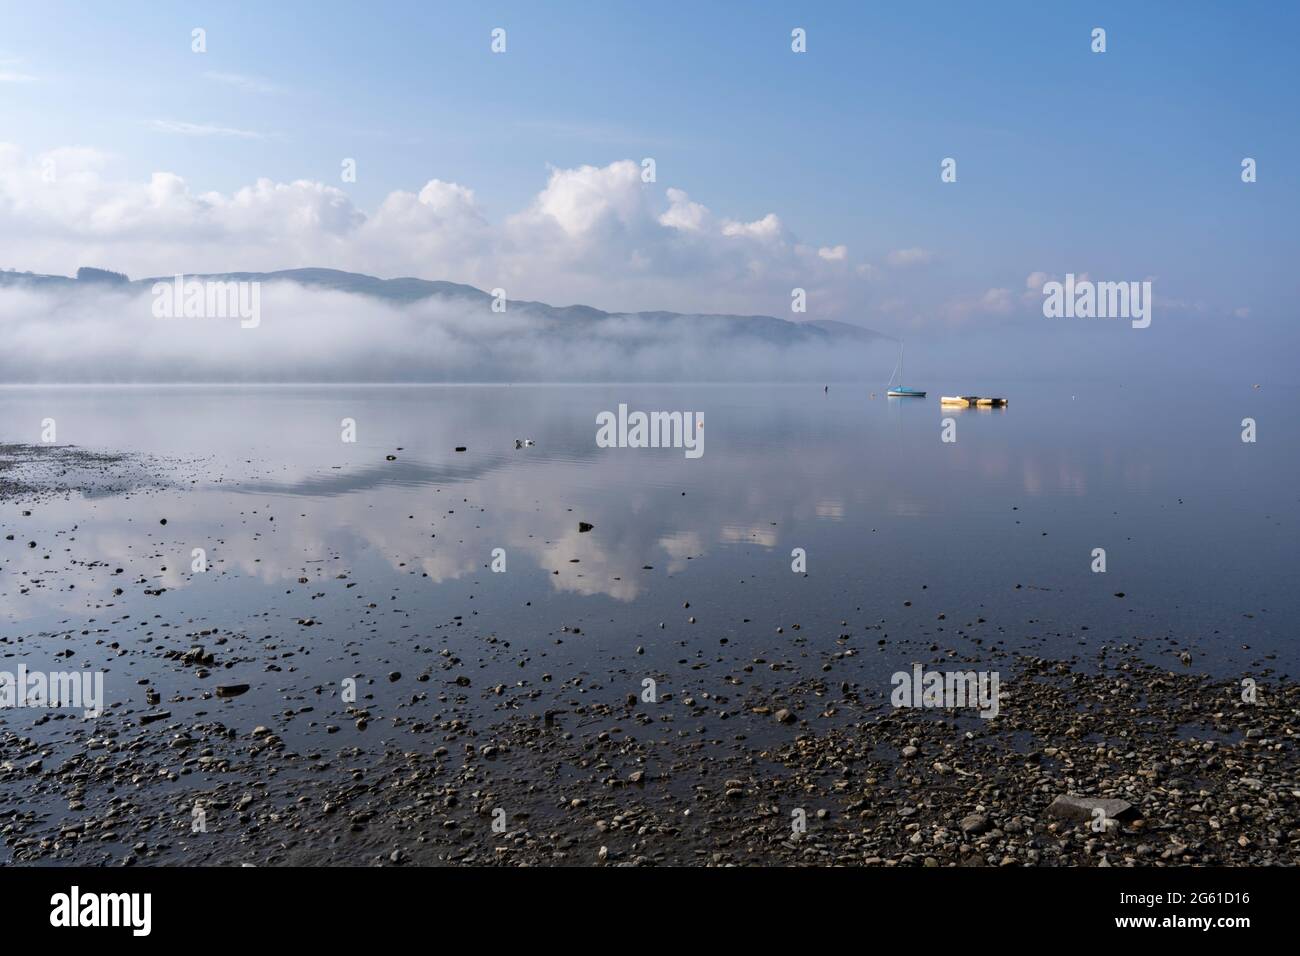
593, 234
589, 200
683, 214
767, 229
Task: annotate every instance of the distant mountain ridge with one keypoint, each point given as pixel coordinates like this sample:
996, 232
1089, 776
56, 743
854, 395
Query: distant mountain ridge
406, 290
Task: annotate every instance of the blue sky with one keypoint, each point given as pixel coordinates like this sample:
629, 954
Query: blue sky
1123, 164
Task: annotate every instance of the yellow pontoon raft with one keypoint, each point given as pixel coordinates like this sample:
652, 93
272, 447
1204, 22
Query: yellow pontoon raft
972, 401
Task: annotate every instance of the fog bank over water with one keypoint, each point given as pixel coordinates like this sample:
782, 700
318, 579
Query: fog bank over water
111, 334
333, 327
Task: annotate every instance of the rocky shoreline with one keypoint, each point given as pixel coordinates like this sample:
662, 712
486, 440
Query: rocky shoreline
234, 743
1188, 774
37, 472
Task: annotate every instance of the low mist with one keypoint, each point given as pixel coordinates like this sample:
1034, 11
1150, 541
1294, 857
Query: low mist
106, 335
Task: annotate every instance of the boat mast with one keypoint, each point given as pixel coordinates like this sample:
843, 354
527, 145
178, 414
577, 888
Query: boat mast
898, 367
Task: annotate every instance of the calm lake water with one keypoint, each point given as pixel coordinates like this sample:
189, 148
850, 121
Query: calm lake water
994, 531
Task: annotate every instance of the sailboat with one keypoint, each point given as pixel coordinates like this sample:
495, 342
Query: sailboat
901, 391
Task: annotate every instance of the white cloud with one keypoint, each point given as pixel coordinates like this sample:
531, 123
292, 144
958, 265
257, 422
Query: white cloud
592, 234
589, 199
684, 214
767, 229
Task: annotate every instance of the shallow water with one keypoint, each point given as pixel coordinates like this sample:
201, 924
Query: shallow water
1199, 531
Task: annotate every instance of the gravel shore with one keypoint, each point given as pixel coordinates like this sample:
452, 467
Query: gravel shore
242, 745
1193, 775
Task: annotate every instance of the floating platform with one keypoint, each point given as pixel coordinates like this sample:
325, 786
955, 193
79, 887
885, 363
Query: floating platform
972, 401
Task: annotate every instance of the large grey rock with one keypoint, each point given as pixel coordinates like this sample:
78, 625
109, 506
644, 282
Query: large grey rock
1080, 809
